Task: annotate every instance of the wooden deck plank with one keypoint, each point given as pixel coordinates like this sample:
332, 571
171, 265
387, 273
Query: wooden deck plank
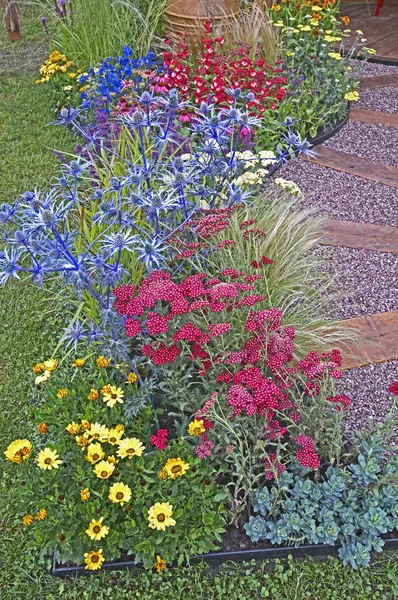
374, 117
364, 236
381, 81
381, 32
362, 167
378, 340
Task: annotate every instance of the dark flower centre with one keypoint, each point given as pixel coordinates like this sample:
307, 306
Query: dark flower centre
104, 473
176, 469
114, 396
131, 451
97, 529
95, 457
119, 495
48, 461
161, 518
95, 558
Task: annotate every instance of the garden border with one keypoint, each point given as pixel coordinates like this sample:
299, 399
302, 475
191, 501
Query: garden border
214, 559
218, 558
325, 133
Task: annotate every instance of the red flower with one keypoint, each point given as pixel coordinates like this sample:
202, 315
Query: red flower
393, 389
160, 439
341, 402
133, 328
156, 324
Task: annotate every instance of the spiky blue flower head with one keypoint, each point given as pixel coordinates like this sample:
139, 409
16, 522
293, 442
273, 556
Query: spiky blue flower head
117, 242
8, 265
67, 116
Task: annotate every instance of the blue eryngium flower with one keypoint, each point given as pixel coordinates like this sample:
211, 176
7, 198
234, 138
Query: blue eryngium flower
99, 226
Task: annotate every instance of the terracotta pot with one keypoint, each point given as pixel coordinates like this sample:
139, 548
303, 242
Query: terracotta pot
189, 16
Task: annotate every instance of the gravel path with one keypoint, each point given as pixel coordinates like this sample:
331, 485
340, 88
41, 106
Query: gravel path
366, 281
367, 388
372, 69
342, 196
381, 99
374, 142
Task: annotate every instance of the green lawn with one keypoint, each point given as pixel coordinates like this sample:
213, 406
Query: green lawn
28, 332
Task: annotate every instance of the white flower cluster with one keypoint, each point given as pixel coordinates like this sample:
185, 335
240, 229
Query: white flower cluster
288, 185
250, 160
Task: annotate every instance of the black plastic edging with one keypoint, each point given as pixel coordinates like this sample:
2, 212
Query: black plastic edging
217, 558
325, 134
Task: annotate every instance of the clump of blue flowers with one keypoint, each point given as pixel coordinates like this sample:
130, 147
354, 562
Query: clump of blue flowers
351, 507
96, 228
104, 84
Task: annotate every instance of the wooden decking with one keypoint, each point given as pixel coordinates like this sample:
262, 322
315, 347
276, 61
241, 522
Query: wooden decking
381, 32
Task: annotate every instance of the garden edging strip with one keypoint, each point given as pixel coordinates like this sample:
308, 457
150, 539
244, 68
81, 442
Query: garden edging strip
218, 558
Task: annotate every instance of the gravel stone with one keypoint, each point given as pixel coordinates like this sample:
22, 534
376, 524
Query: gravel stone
367, 388
372, 69
380, 99
373, 142
341, 196
366, 281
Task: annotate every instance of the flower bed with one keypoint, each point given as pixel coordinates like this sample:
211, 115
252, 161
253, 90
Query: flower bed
199, 399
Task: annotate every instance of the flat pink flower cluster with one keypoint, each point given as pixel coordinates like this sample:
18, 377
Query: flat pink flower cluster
253, 370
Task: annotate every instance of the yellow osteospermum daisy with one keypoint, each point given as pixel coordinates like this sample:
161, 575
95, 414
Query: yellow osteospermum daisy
41, 514
27, 520
335, 55
73, 428
84, 424
176, 467
93, 395
102, 362
62, 393
131, 378
79, 363
82, 440
159, 516
48, 459
38, 368
95, 453
97, 531
130, 447
119, 493
51, 364
106, 389
114, 395
104, 469
94, 559
163, 474
18, 451
98, 432
112, 460
84, 494
196, 427
351, 96
160, 564
114, 436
